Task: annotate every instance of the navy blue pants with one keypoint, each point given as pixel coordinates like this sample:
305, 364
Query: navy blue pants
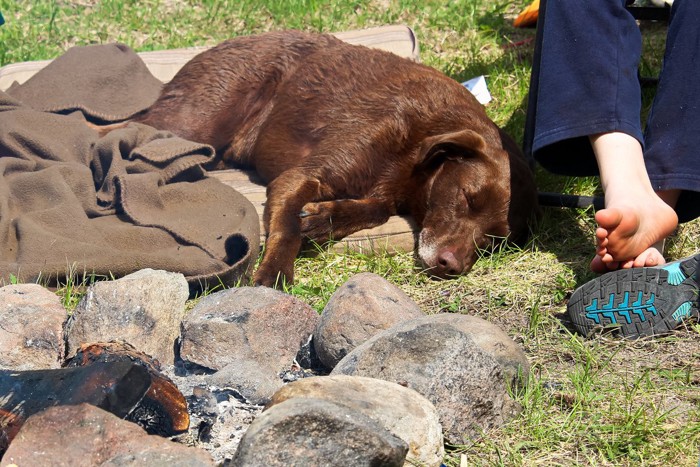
584, 81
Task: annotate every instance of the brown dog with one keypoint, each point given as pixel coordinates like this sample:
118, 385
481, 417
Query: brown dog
345, 137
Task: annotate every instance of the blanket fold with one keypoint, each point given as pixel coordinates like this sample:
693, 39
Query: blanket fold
105, 82
74, 203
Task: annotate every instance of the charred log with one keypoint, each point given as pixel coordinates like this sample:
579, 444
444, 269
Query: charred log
110, 376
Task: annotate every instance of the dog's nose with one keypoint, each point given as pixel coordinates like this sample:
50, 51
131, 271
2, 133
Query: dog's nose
448, 264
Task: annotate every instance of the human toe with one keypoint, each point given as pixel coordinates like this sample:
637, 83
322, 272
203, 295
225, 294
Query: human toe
649, 258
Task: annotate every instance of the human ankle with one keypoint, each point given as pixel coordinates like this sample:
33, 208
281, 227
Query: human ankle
620, 163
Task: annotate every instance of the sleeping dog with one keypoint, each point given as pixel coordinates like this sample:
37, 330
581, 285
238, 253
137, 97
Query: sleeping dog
346, 136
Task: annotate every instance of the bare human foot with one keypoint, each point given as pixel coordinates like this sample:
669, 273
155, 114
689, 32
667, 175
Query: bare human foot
635, 218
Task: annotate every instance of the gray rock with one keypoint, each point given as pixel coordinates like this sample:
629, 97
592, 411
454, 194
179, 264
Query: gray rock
466, 384
402, 411
253, 381
143, 309
365, 305
317, 432
246, 324
83, 435
494, 341
31, 328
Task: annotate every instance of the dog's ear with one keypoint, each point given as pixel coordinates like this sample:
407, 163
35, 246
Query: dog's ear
465, 144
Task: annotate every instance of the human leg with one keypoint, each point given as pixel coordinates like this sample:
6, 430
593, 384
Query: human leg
672, 139
586, 90
671, 157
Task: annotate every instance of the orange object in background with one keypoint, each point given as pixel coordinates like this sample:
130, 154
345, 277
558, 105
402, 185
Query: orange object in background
528, 17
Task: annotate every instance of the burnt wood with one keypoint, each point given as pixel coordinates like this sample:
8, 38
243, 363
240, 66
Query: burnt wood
113, 377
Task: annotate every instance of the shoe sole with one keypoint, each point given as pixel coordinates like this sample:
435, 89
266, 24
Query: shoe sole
638, 302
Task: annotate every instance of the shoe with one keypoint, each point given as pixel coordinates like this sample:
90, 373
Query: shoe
638, 302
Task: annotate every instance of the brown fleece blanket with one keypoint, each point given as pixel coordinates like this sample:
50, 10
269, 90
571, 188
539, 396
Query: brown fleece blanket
137, 198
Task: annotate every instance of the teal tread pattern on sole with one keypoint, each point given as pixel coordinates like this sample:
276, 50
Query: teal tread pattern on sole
675, 274
624, 309
682, 312
638, 302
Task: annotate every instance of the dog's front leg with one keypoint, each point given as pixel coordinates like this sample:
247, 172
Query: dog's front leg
286, 196
333, 220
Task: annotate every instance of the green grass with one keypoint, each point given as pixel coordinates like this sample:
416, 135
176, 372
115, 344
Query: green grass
598, 402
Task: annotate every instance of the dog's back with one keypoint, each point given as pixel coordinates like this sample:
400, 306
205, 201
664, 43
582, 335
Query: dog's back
222, 96
314, 95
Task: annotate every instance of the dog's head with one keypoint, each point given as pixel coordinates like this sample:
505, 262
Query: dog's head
476, 193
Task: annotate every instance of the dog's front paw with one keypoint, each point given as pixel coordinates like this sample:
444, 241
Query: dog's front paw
317, 221
272, 277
